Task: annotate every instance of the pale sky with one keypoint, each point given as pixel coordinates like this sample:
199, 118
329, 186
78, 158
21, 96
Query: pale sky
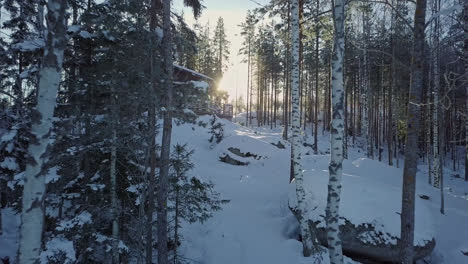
233, 13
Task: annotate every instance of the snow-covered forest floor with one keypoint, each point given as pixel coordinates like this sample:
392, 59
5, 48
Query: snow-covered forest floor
256, 226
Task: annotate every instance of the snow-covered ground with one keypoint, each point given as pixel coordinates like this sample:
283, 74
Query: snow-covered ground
256, 226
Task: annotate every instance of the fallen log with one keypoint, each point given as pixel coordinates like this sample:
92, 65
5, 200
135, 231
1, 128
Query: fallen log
366, 244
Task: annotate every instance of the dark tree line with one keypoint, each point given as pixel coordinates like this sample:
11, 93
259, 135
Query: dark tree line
106, 174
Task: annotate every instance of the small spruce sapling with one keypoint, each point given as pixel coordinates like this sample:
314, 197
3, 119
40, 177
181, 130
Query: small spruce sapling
216, 130
192, 200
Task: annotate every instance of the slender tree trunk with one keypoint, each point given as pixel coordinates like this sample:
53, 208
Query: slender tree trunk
288, 88
345, 108
152, 141
336, 144
390, 102
317, 100
428, 117
308, 238
365, 84
151, 184
275, 99
176, 225
251, 93
32, 216
114, 204
248, 86
113, 179
1, 225
166, 137
465, 26
437, 169
411, 148
381, 98
354, 108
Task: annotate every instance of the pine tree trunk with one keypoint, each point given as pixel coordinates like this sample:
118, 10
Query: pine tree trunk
411, 148
113, 181
308, 238
248, 86
317, 100
251, 94
336, 146
390, 103
354, 109
176, 224
437, 169
465, 26
152, 141
32, 216
365, 85
287, 76
1, 223
166, 137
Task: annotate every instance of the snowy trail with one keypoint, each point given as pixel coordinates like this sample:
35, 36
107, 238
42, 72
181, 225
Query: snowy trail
250, 228
256, 226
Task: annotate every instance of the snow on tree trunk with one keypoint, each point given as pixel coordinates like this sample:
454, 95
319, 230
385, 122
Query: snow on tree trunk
308, 238
166, 137
411, 148
337, 127
32, 216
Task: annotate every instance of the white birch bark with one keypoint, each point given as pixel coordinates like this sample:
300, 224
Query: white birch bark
337, 126
307, 235
32, 215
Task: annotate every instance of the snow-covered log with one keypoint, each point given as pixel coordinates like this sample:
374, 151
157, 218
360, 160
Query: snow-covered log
370, 209
367, 242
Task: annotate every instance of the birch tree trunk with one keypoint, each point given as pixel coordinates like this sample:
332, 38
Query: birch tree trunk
166, 137
308, 238
337, 126
411, 148
32, 215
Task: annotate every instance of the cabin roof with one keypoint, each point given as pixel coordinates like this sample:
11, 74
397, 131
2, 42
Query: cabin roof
178, 70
